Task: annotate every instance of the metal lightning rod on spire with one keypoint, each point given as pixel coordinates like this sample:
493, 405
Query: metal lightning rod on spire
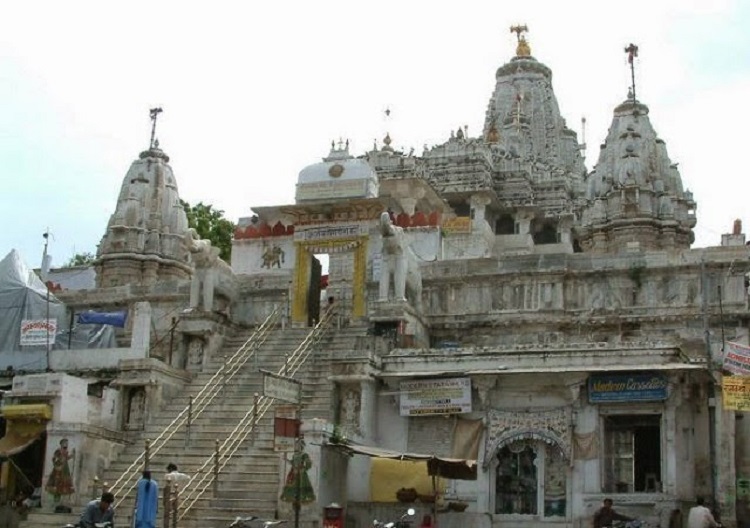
632, 51
153, 113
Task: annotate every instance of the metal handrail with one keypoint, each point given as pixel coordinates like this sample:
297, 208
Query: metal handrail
250, 420
205, 396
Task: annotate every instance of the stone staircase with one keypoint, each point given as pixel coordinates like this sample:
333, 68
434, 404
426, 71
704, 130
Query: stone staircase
250, 482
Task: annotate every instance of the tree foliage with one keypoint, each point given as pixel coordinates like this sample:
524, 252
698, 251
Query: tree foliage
80, 259
211, 225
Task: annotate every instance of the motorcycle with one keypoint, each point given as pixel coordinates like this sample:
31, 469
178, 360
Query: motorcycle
247, 522
96, 525
402, 521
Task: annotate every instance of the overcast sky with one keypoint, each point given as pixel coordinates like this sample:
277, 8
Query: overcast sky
253, 92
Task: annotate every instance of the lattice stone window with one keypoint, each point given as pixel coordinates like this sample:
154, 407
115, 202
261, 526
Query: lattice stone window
632, 453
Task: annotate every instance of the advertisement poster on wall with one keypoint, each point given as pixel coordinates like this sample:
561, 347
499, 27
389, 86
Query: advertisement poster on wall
435, 396
736, 393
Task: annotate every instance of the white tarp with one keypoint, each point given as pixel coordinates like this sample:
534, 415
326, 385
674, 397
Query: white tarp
23, 297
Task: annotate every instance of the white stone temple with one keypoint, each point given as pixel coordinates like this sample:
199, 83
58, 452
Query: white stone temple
543, 331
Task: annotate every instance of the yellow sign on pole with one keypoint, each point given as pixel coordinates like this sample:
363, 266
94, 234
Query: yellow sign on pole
736, 392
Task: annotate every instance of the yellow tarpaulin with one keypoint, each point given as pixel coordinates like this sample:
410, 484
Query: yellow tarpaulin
387, 476
19, 435
27, 411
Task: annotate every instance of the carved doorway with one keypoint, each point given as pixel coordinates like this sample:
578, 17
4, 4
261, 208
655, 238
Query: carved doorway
306, 287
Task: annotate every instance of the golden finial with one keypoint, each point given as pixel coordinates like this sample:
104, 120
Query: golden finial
522, 49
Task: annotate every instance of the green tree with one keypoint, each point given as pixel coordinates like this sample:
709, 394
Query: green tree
211, 225
80, 259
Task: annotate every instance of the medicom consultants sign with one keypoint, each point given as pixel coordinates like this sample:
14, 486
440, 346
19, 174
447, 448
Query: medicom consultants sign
639, 387
435, 396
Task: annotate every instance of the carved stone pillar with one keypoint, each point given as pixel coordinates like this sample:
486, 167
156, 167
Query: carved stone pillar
484, 386
479, 204
141, 333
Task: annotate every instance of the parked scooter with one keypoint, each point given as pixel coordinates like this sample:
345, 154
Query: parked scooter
400, 523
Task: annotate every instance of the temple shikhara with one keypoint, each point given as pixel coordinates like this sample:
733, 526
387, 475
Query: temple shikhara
489, 332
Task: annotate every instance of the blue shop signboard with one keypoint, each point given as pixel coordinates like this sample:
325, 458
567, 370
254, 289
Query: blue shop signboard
622, 387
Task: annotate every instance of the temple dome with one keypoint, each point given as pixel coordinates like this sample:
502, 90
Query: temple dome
338, 176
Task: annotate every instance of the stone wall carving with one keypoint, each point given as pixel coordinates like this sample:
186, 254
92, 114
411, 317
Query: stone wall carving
350, 406
552, 426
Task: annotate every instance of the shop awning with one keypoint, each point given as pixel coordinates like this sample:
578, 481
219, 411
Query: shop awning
19, 436
28, 411
450, 468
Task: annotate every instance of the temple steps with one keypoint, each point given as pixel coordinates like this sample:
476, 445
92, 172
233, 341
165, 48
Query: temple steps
251, 482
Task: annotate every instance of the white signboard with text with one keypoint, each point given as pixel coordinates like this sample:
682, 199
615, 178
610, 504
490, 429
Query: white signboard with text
36, 332
435, 396
280, 387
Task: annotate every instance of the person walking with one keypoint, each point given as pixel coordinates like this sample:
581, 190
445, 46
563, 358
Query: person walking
174, 480
700, 516
146, 501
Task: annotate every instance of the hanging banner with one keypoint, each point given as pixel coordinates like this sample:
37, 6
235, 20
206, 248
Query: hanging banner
737, 358
105, 318
736, 393
36, 332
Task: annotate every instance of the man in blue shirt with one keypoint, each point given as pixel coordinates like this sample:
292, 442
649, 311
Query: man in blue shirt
99, 511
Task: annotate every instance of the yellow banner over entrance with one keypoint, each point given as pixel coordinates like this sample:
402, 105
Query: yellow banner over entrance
387, 476
736, 393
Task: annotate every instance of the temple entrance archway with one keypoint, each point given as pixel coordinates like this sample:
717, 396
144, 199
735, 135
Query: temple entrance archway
347, 283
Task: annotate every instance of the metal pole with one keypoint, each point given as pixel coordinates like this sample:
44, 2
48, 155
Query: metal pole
297, 466
711, 387
216, 469
224, 374
70, 327
189, 421
171, 340
147, 455
174, 504
256, 400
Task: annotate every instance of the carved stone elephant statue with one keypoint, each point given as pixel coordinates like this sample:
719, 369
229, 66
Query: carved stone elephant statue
211, 275
399, 262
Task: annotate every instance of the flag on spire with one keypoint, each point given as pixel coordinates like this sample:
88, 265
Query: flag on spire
632, 51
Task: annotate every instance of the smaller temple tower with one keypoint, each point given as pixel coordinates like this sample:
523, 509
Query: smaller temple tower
635, 196
143, 243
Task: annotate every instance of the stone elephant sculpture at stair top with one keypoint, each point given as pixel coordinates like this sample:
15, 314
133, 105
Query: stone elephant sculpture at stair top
212, 277
399, 262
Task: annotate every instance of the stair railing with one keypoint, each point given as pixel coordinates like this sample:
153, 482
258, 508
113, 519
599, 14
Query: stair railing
205, 477
200, 401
